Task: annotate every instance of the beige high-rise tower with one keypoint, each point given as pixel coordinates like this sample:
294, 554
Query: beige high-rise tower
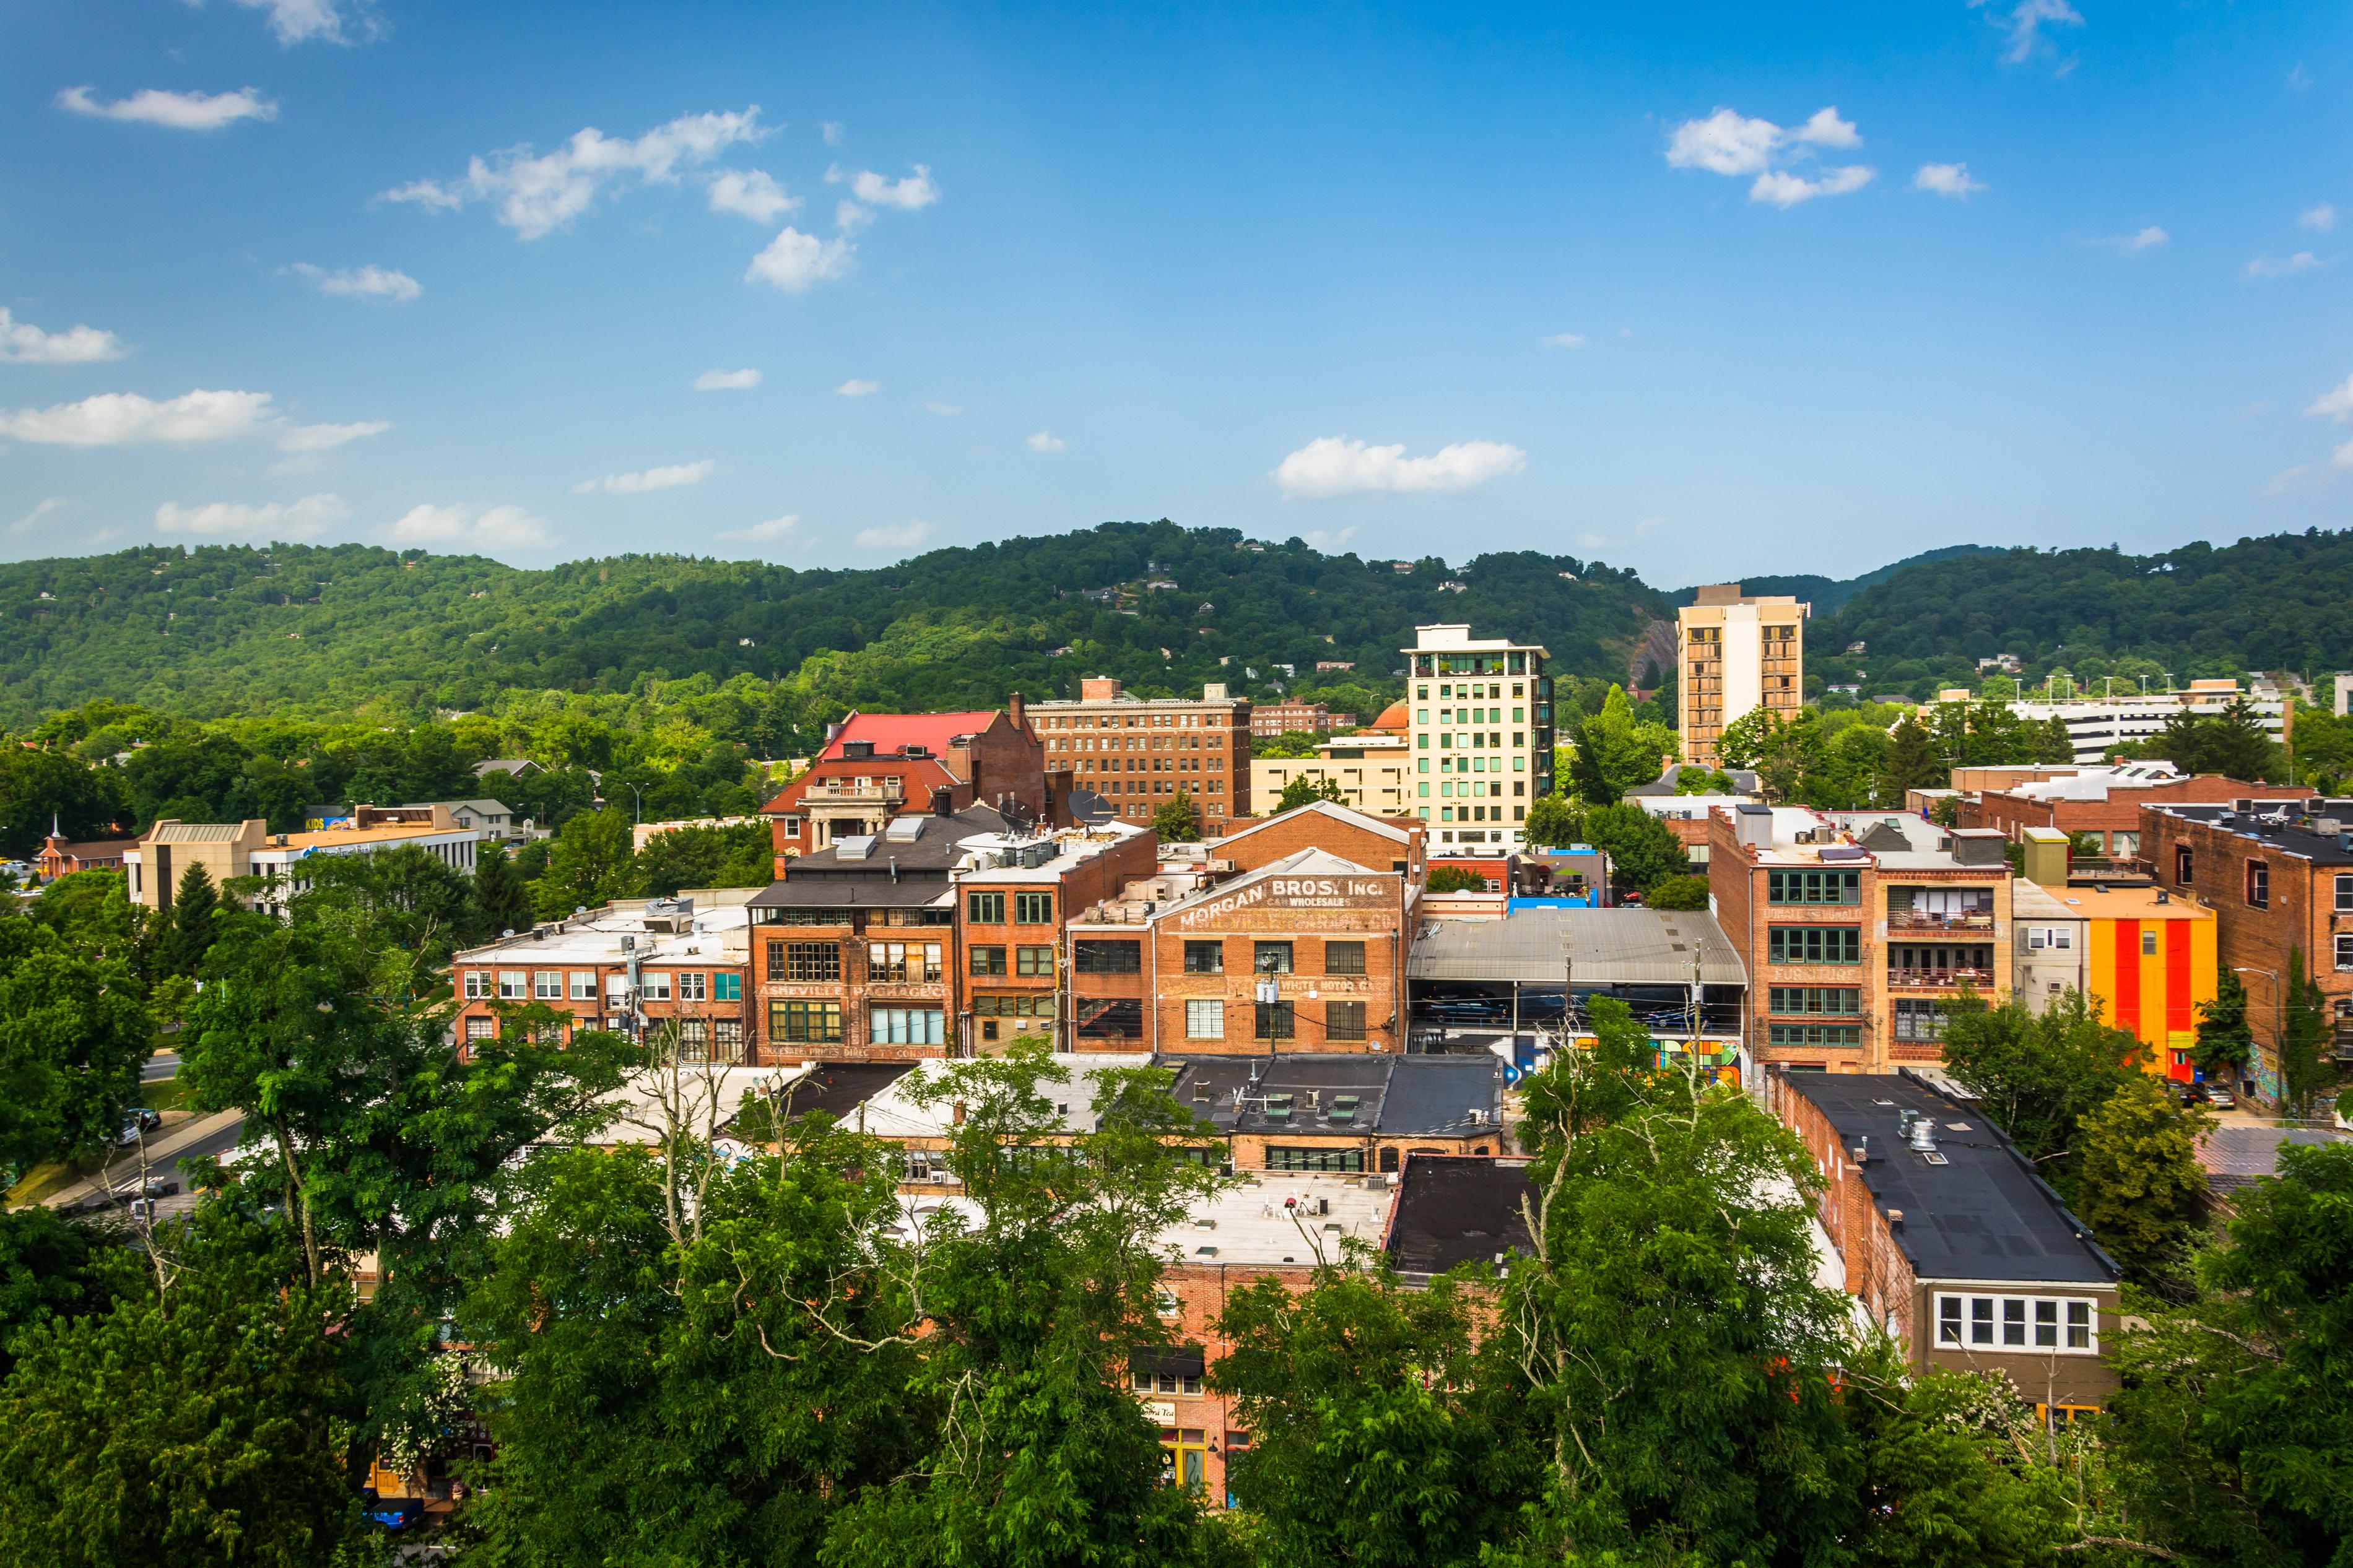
1735, 654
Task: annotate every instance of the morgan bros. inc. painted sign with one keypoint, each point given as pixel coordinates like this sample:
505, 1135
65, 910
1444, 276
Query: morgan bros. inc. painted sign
1294, 893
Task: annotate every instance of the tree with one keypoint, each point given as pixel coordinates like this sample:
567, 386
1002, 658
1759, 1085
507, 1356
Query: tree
500, 901
203, 1428
742, 854
1291, 743
73, 1033
2138, 1184
2303, 1032
2041, 1073
2235, 1421
2226, 1043
1677, 893
1456, 879
41, 789
1177, 821
1912, 762
1615, 752
195, 919
400, 899
1643, 852
1555, 821
53, 1269
592, 864
1305, 791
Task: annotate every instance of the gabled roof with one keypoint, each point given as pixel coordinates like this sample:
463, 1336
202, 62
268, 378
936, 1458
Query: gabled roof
889, 731
1338, 813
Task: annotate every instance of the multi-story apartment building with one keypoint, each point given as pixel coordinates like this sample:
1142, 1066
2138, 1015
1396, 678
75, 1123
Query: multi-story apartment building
644, 967
1482, 735
1372, 773
2095, 725
1014, 901
2278, 875
1735, 654
1136, 753
1291, 716
162, 855
1947, 1236
878, 766
2144, 955
1857, 930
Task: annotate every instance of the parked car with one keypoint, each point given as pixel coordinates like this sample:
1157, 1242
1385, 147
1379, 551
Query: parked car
2221, 1099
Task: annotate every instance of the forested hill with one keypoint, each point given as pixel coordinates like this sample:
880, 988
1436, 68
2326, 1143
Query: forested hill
226, 630
2273, 603
1830, 594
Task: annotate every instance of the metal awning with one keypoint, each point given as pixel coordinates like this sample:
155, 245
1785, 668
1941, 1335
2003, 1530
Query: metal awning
1608, 947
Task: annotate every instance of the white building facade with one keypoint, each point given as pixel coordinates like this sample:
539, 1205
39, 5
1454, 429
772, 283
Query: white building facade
1480, 719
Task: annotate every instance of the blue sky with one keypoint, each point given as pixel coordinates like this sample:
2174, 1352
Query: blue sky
1704, 290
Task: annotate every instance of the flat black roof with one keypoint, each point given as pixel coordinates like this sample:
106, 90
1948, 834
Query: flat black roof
1396, 1096
2281, 825
839, 1088
1982, 1215
1458, 1208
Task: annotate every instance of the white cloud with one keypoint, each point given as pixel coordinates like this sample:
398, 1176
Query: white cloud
750, 193
26, 343
1045, 441
1332, 468
2335, 404
277, 520
2299, 79
903, 536
833, 132
300, 21
2320, 217
2133, 244
41, 509
795, 262
666, 478
1328, 543
2023, 22
945, 410
1563, 341
850, 217
727, 381
1947, 180
1731, 143
1650, 524
370, 282
855, 388
2281, 266
767, 532
1589, 540
175, 111
916, 190
490, 528
126, 419
537, 194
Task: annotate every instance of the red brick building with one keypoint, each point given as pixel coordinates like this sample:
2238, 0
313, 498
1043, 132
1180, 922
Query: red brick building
1270, 719
62, 857
1136, 753
1394, 842
2279, 878
636, 967
876, 766
1011, 913
2104, 803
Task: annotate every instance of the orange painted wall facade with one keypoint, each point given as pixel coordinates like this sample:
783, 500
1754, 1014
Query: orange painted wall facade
2150, 976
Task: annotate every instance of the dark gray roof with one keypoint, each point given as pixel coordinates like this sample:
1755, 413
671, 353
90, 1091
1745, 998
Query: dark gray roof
1983, 1214
1397, 1097
1455, 1209
1744, 781
839, 1088
2236, 1156
1608, 947
874, 889
2280, 825
936, 847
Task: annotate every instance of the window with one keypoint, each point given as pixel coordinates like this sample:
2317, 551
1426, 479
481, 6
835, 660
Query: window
1270, 958
694, 1040
477, 985
727, 987
2124, 845
1036, 962
1033, 908
1814, 1035
985, 908
1343, 1020
987, 960
2026, 1324
727, 1040
1327, 1159
1813, 887
1014, 1006
512, 985
1836, 999
2344, 894
1274, 1021
807, 961
804, 1023
1205, 1020
1344, 958
917, 961
908, 1026
2148, 944
1919, 1021
2053, 937
1814, 944
2259, 885
2344, 950
1205, 958
657, 984
694, 986
583, 985
2182, 864
482, 1028
1106, 957
616, 992
1110, 1020
547, 985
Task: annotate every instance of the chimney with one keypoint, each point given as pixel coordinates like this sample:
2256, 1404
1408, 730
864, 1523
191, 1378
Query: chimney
1098, 689
943, 801
1013, 710
1755, 825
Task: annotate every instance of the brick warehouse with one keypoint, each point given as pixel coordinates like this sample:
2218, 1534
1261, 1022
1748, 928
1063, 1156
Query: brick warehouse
1136, 753
2279, 878
1305, 953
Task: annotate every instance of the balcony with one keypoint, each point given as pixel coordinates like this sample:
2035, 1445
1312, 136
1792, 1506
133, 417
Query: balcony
1974, 923
1939, 979
844, 791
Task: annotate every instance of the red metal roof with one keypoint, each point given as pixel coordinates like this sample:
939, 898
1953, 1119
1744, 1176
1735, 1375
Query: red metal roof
889, 731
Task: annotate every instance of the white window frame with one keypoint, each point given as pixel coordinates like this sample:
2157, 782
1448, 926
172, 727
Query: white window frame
2014, 1325
2344, 949
1205, 1018
2344, 893
583, 985
656, 983
477, 985
547, 985
514, 984
693, 986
